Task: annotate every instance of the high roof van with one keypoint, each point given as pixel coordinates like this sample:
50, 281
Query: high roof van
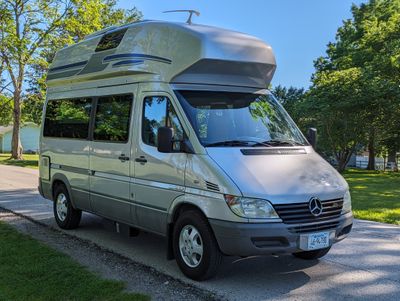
169, 128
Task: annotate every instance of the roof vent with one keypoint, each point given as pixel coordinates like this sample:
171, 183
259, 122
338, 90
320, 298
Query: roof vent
212, 186
100, 32
111, 28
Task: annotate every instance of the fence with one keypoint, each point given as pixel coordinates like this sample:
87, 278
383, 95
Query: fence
362, 162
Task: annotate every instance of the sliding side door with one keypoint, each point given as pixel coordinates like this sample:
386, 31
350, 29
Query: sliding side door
110, 156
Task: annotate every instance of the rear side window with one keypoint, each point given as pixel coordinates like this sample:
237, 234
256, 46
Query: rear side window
113, 114
158, 112
110, 40
68, 118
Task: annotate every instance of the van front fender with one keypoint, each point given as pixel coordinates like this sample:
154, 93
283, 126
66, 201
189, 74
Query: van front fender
211, 204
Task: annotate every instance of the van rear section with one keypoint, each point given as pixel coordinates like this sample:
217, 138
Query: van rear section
168, 128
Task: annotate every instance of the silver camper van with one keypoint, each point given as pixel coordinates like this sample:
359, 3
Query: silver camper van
169, 128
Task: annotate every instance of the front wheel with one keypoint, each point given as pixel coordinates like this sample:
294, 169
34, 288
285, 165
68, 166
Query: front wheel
67, 217
310, 255
195, 247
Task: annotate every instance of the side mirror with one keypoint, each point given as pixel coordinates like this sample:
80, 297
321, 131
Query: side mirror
312, 137
164, 139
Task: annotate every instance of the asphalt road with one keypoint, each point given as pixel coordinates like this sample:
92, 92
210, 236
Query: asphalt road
365, 266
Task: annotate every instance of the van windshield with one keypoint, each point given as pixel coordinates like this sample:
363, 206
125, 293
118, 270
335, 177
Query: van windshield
239, 119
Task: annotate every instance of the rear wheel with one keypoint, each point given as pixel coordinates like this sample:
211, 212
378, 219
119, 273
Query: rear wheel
66, 216
310, 255
195, 247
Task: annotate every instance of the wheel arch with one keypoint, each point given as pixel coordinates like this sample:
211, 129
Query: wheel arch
180, 205
61, 179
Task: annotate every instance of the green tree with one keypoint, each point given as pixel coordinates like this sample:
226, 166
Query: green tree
5, 110
299, 104
335, 104
366, 56
32, 30
5, 101
291, 98
25, 27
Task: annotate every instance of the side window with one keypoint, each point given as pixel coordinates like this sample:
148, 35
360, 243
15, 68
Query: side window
113, 114
110, 40
154, 111
68, 118
157, 112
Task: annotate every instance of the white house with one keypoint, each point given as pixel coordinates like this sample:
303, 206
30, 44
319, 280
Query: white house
29, 137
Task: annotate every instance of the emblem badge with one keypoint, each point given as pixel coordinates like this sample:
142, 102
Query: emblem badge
315, 206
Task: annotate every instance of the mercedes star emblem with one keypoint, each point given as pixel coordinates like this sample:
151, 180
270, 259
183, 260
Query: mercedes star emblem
315, 206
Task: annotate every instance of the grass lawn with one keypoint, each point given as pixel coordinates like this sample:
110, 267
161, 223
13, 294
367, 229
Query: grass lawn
29, 270
30, 161
375, 195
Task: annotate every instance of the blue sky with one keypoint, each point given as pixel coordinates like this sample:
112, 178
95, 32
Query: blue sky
297, 30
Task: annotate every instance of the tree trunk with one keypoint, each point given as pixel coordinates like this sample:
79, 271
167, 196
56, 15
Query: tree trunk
341, 166
343, 159
16, 147
371, 151
392, 160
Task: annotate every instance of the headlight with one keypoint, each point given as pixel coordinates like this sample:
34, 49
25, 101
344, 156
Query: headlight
346, 202
250, 208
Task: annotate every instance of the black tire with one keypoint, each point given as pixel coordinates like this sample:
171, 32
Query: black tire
211, 259
311, 255
73, 216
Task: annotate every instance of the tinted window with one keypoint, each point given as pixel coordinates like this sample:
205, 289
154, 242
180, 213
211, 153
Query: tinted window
157, 112
110, 40
112, 118
68, 118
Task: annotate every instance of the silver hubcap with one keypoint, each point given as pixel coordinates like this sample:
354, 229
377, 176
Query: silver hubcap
191, 246
61, 207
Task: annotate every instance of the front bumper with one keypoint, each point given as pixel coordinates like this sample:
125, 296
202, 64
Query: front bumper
246, 239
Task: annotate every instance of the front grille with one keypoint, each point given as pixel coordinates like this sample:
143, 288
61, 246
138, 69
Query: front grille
314, 227
300, 213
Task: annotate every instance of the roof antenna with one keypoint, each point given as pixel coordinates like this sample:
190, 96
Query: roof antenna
190, 11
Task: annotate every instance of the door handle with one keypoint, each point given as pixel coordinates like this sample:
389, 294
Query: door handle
123, 158
141, 159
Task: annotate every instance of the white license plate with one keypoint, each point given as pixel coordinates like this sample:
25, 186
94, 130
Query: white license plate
316, 241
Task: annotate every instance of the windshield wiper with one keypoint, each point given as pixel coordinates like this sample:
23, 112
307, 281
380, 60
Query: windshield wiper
276, 142
237, 143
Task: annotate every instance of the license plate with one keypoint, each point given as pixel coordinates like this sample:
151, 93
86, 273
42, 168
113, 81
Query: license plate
315, 241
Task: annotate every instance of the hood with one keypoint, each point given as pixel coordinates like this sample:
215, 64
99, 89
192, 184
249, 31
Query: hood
280, 175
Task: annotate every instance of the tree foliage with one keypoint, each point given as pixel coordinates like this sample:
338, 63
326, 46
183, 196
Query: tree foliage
30, 33
334, 104
5, 110
357, 82
290, 98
